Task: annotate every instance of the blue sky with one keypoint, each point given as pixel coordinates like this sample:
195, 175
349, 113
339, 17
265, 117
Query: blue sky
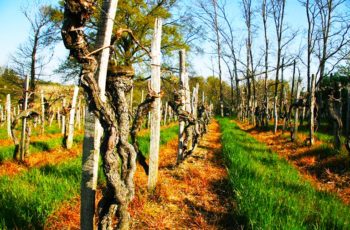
15, 29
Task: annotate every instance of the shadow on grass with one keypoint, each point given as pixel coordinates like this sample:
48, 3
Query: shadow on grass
321, 153
41, 145
229, 219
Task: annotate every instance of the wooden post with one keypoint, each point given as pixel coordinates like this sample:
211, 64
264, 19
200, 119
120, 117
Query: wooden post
8, 113
1, 114
184, 103
165, 113
131, 99
195, 113
58, 118
79, 114
42, 130
93, 130
69, 142
63, 117
296, 116
291, 95
22, 148
141, 96
312, 106
155, 112
347, 123
52, 117
203, 98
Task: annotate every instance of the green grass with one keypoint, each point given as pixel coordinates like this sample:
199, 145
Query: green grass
270, 193
26, 200
6, 152
324, 132
165, 136
35, 131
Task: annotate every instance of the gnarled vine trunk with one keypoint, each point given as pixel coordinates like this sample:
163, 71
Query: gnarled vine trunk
118, 155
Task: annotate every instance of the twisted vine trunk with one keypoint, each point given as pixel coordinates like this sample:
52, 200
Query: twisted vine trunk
118, 155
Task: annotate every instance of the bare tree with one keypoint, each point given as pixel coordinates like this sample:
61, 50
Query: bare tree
209, 16
265, 15
247, 15
332, 34
218, 46
278, 8
32, 56
311, 14
230, 56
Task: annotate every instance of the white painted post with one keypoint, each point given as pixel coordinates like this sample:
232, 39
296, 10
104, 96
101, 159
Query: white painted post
63, 117
69, 142
58, 118
92, 127
195, 110
24, 120
155, 112
1, 113
131, 99
79, 114
8, 113
165, 113
296, 116
184, 105
42, 112
52, 117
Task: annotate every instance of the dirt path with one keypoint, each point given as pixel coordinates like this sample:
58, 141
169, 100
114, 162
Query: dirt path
193, 195
325, 170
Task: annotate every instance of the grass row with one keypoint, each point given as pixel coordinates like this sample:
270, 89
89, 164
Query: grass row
28, 199
270, 193
6, 152
53, 129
